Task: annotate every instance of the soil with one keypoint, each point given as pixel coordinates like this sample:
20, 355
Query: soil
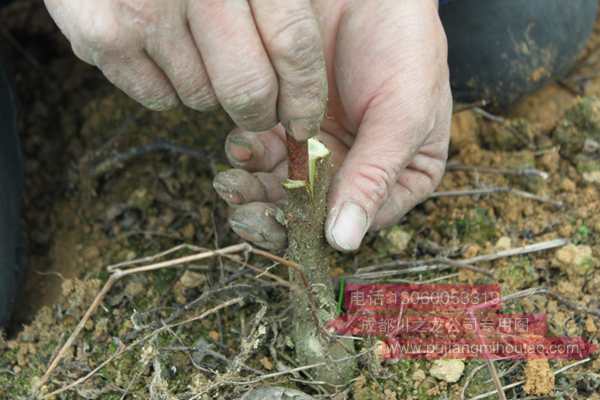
108, 181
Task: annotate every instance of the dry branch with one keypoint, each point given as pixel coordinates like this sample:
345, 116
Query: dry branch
493, 190
411, 266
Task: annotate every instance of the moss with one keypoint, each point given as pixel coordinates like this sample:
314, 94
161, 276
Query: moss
582, 235
518, 274
480, 383
398, 384
477, 226
512, 135
581, 123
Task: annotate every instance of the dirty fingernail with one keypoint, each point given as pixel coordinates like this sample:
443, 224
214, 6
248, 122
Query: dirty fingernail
228, 194
239, 148
349, 227
303, 129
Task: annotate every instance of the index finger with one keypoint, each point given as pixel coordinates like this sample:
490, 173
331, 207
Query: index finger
291, 35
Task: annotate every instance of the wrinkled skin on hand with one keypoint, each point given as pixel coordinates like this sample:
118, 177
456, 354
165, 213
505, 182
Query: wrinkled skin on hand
387, 124
271, 64
261, 60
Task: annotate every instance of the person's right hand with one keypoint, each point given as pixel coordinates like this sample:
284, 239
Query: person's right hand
260, 59
387, 126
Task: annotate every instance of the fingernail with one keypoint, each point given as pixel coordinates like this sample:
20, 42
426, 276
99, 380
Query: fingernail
349, 227
239, 148
228, 194
304, 128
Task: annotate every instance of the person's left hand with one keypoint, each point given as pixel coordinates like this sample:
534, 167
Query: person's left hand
387, 125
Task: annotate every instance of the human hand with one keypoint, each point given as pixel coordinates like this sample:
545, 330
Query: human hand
387, 125
262, 60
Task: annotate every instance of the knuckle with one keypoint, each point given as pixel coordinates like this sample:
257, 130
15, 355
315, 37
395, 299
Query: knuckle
297, 46
372, 183
201, 99
249, 98
152, 94
145, 14
102, 35
164, 103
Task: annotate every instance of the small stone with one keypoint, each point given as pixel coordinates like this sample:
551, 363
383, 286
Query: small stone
275, 393
205, 216
419, 376
447, 370
550, 160
471, 251
565, 230
504, 243
191, 279
189, 231
592, 176
576, 259
382, 351
266, 363
590, 325
91, 253
397, 239
539, 379
89, 325
214, 335
140, 198
568, 185
133, 289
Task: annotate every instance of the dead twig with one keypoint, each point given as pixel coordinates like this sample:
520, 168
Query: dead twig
124, 349
560, 299
503, 121
493, 190
410, 265
114, 277
488, 115
118, 274
525, 172
495, 378
458, 108
118, 159
439, 264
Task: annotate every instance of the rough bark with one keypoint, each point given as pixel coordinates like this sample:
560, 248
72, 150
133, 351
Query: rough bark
305, 216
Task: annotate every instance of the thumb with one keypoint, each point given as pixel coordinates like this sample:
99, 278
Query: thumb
371, 169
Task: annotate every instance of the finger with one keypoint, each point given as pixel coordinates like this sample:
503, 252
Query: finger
256, 151
59, 10
399, 177
290, 33
423, 174
414, 185
140, 79
99, 39
181, 63
371, 169
237, 64
258, 223
237, 187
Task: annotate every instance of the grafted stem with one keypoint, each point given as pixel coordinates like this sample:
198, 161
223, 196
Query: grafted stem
305, 216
